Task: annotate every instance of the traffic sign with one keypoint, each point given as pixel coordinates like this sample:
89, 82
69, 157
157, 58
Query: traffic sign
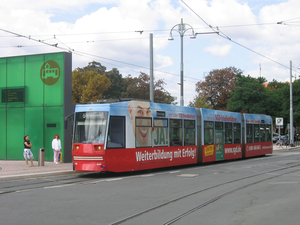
279, 121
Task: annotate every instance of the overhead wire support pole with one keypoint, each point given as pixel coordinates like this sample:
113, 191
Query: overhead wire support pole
181, 29
291, 107
151, 69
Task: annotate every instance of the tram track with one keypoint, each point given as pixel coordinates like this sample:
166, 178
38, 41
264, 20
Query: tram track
38, 183
211, 200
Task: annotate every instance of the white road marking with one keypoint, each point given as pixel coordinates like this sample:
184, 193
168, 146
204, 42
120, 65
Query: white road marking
58, 186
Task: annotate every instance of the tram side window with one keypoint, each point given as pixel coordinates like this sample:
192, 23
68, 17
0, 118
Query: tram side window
256, 133
116, 132
160, 133
175, 132
262, 133
189, 132
268, 132
249, 133
208, 132
143, 134
237, 133
228, 133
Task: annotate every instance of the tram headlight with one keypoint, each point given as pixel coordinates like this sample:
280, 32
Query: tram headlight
98, 147
76, 147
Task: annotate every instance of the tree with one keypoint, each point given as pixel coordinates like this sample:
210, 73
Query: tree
278, 104
200, 101
139, 88
249, 95
93, 66
276, 96
296, 102
117, 87
217, 87
88, 86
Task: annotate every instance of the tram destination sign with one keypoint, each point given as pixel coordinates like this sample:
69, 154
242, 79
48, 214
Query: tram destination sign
13, 95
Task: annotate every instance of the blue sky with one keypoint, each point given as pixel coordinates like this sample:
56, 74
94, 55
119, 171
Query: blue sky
104, 31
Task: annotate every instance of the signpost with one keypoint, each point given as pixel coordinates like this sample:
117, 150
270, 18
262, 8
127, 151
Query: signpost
279, 123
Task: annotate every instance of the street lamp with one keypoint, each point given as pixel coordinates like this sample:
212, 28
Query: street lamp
181, 28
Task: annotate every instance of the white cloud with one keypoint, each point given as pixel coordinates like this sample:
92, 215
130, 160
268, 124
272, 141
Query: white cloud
219, 50
110, 25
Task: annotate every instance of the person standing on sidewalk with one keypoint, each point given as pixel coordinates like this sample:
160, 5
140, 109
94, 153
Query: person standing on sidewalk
56, 146
27, 150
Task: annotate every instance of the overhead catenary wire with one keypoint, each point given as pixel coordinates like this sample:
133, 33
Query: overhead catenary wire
223, 35
67, 48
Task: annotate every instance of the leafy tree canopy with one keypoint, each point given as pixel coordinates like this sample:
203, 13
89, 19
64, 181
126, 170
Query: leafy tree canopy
249, 95
139, 88
88, 86
216, 88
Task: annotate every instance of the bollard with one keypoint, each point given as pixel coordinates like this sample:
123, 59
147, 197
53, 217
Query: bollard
41, 161
60, 157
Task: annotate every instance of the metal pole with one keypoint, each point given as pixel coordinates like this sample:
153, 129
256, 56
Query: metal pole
181, 28
181, 73
291, 108
151, 69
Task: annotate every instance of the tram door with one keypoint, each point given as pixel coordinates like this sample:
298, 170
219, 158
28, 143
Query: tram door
219, 141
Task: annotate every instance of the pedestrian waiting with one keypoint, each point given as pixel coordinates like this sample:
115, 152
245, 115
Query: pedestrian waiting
27, 151
56, 146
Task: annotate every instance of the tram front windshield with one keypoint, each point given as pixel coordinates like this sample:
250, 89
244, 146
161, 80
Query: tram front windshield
90, 127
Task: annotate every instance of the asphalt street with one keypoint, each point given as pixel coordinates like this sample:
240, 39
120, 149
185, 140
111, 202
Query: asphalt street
262, 190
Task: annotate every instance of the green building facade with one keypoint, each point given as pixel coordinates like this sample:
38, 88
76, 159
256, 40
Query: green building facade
36, 96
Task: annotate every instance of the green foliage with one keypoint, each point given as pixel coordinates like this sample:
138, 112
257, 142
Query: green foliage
296, 102
216, 88
117, 88
139, 88
93, 83
249, 95
88, 86
200, 101
93, 66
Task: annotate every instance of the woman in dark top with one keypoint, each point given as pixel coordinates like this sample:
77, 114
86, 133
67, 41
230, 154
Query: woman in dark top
27, 150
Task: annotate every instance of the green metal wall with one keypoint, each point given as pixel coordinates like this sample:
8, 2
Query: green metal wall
41, 115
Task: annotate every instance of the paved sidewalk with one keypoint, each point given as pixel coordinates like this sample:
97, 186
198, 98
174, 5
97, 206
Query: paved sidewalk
284, 147
16, 169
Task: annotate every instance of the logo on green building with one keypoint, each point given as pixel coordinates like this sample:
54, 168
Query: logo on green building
50, 72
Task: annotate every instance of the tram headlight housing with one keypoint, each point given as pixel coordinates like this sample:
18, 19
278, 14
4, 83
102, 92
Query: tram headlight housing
76, 147
98, 147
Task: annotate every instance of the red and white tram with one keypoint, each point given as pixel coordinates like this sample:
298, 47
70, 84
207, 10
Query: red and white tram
139, 135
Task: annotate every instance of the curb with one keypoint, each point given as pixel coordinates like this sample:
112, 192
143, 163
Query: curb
286, 148
37, 175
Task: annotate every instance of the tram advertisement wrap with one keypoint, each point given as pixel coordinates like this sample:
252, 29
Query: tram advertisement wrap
261, 148
147, 123
230, 151
143, 158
